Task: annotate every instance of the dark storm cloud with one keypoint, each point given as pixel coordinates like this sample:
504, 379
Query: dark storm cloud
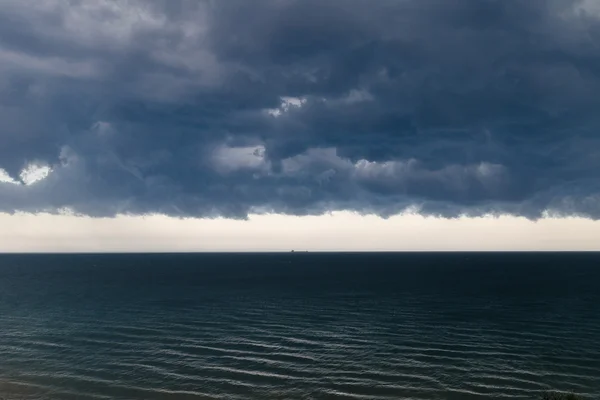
210, 108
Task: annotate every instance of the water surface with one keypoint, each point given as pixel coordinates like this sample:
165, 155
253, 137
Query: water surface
299, 326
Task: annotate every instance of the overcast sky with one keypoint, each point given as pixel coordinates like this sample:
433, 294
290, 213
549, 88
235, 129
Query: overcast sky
233, 109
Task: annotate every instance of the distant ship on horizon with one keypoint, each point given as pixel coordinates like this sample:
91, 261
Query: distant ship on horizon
301, 251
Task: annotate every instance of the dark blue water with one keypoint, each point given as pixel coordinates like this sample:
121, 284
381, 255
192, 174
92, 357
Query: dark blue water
299, 326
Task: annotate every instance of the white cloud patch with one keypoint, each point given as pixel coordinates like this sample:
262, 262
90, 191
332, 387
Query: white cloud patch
29, 175
287, 104
34, 173
5, 177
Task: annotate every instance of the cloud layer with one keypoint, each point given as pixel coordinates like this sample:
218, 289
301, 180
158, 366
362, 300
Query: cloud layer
207, 108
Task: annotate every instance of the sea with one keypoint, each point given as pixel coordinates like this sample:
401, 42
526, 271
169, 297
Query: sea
299, 326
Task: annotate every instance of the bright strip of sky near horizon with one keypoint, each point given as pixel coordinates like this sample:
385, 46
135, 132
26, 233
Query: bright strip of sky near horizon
340, 231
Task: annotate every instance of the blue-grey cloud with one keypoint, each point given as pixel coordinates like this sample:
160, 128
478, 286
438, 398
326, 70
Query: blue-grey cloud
206, 108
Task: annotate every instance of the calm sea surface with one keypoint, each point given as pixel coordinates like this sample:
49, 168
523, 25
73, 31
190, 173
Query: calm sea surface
299, 326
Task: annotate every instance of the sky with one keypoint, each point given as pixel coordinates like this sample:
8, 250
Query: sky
338, 231
339, 124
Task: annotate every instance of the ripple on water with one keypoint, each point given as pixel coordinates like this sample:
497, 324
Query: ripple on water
210, 338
